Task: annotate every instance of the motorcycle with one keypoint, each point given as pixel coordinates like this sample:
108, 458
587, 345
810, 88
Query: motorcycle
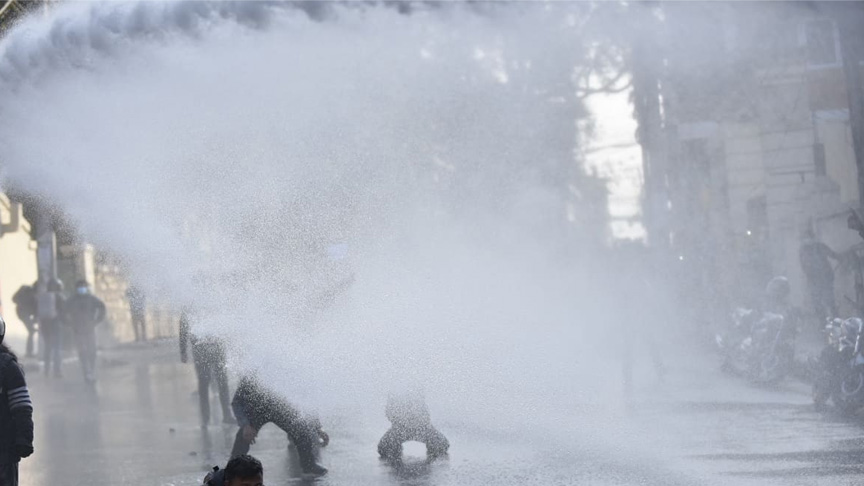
847, 384
828, 367
759, 345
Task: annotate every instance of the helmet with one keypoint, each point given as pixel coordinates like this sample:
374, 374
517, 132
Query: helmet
2, 329
778, 288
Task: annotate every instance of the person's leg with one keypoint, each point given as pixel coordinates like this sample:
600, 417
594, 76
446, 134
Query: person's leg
390, 445
91, 353
55, 348
301, 434
817, 299
436, 444
143, 323
202, 370
224, 396
81, 347
31, 332
135, 328
47, 352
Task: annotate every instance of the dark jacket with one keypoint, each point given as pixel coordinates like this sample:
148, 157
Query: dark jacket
25, 304
215, 478
83, 312
814, 256
16, 410
255, 405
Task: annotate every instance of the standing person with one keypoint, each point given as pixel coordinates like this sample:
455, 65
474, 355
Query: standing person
814, 256
25, 308
138, 310
83, 312
255, 405
16, 414
208, 354
51, 326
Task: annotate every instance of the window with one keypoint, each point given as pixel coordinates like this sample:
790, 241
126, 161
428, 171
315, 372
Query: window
822, 47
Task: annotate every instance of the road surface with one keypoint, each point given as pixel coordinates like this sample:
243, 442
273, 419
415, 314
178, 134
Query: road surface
139, 426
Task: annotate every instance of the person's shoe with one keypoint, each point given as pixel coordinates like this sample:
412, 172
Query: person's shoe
314, 470
229, 420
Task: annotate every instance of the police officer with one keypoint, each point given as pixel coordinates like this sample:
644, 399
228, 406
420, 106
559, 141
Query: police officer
16, 414
208, 354
83, 312
255, 405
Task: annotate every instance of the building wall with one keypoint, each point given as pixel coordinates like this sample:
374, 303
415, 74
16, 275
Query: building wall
17, 268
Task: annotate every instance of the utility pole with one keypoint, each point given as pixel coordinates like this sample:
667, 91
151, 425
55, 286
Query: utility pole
848, 17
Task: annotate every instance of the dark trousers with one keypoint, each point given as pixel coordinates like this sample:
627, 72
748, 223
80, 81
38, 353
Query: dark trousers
52, 341
8, 473
85, 341
31, 332
822, 296
139, 325
390, 445
300, 432
209, 367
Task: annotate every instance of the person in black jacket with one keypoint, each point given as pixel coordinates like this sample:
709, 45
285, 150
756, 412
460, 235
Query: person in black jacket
255, 405
25, 307
16, 414
208, 354
242, 470
84, 311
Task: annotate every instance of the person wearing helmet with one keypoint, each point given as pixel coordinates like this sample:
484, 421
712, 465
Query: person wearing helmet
84, 312
16, 414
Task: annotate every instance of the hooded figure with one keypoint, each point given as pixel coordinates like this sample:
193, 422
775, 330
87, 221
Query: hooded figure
16, 414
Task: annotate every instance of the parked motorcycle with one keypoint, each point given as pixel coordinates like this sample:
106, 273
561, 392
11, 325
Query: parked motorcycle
830, 365
759, 345
846, 366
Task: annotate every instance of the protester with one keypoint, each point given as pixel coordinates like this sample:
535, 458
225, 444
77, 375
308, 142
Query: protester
16, 414
410, 421
242, 470
138, 312
25, 308
83, 312
50, 316
256, 405
208, 354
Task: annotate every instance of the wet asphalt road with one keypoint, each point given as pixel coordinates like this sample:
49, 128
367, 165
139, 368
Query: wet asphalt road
139, 426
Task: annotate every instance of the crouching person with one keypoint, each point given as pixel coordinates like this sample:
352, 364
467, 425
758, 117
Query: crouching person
242, 470
255, 405
16, 414
410, 421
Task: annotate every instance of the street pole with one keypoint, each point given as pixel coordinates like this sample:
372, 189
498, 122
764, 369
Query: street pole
848, 17
46, 263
